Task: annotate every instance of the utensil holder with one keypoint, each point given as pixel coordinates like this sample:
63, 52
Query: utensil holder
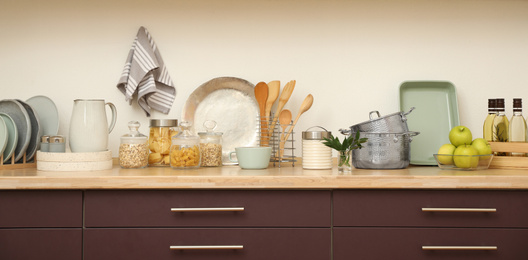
281, 150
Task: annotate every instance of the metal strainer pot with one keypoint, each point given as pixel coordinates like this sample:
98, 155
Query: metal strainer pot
393, 123
384, 151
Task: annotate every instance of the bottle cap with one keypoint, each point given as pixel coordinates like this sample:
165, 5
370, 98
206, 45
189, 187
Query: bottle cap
500, 104
517, 103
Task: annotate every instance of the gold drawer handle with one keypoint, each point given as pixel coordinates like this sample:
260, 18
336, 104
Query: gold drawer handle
206, 209
206, 247
459, 210
459, 248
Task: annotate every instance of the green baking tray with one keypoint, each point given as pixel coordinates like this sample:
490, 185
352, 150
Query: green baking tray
435, 114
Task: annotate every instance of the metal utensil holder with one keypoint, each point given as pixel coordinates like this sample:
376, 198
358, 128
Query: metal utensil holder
281, 151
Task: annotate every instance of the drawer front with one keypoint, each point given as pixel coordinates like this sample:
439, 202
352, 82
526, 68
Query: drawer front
197, 208
430, 243
42, 244
433, 208
242, 243
41, 209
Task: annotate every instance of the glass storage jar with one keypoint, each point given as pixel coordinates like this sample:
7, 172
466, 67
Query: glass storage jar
210, 145
185, 148
316, 155
134, 148
161, 133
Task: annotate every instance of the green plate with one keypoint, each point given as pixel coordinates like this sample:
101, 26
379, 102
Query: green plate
435, 114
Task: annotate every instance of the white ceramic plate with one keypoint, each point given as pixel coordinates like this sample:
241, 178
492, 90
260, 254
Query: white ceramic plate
231, 103
36, 132
3, 135
19, 114
12, 136
48, 114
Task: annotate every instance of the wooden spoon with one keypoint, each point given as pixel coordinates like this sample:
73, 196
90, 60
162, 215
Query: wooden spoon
306, 104
284, 97
284, 120
261, 94
273, 94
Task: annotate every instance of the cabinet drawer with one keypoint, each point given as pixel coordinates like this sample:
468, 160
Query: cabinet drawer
41, 209
433, 208
207, 208
408, 243
244, 243
42, 244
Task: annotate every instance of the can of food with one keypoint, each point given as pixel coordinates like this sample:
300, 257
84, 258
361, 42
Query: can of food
160, 136
316, 155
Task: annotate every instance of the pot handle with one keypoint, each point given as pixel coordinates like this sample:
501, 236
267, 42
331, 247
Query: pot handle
372, 113
403, 116
411, 134
345, 131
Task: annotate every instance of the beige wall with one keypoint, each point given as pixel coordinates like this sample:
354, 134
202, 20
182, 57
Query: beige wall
351, 55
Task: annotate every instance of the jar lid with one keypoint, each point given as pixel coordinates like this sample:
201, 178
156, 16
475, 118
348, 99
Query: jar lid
133, 133
316, 135
209, 126
56, 139
45, 139
163, 122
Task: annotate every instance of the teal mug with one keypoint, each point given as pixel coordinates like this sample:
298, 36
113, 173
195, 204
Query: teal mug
252, 157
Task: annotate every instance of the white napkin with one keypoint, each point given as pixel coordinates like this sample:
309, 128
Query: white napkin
145, 74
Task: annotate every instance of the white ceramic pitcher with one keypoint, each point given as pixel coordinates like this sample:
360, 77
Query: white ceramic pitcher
89, 125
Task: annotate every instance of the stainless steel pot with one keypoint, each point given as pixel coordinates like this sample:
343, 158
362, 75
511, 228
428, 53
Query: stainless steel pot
384, 151
393, 123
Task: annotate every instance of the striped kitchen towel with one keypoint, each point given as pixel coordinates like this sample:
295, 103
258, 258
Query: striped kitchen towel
146, 74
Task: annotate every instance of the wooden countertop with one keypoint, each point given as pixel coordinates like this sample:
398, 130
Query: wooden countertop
286, 177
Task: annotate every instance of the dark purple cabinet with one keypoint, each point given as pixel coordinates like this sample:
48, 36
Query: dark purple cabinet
430, 224
222, 208
40, 209
260, 224
41, 225
41, 243
230, 243
430, 243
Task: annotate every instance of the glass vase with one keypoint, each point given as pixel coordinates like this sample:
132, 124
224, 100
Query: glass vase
343, 161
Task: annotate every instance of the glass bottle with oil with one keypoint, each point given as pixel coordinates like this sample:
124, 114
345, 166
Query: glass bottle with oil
518, 125
488, 122
500, 126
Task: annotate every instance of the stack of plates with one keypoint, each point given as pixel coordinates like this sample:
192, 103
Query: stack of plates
21, 126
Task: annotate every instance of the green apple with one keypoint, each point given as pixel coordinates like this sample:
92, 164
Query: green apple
466, 158
460, 135
445, 154
482, 146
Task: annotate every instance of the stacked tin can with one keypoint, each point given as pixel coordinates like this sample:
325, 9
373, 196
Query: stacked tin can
316, 155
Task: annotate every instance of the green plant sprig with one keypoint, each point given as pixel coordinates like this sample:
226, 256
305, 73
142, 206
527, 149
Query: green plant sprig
349, 143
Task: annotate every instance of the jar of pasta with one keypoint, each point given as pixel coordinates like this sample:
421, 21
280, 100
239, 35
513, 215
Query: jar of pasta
210, 145
161, 133
185, 148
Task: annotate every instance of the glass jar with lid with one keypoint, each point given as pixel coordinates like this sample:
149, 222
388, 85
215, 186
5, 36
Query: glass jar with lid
185, 148
210, 145
134, 148
316, 155
161, 133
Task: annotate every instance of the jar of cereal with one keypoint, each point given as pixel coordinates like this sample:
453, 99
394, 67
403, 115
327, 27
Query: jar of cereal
161, 133
185, 148
134, 148
210, 145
